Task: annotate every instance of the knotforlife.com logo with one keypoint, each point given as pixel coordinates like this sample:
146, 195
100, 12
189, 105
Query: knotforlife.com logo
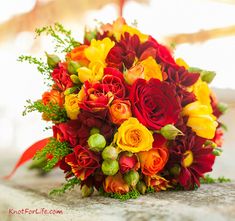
38, 211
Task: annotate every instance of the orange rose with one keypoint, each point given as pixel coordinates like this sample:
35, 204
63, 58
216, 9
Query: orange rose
53, 97
115, 184
153, 161
77, 54
120, 110
157, 182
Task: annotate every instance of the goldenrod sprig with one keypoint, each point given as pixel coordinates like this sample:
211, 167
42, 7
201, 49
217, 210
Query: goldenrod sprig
64, 42
57, 150
53, 112
71, 183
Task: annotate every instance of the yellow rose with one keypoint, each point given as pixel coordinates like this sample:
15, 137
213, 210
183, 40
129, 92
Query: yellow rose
200, 119
133, 136
71, 106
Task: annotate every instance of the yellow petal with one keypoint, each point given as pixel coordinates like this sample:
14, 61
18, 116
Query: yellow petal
203, 125
182, 63
151, 69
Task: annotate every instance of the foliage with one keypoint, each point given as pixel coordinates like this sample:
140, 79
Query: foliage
209, 180
42, 67
134, 194
52, 111
66, 186
54, 151
64, 42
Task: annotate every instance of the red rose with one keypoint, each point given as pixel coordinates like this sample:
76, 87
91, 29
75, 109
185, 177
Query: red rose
97, 97
73, 132
127, 162
83, 162
61, 77
115, 81
154, 103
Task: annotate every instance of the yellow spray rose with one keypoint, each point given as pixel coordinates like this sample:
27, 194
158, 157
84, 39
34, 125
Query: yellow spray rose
133, 136
96, 53
71, 106
202, 92
200, 119
119, 27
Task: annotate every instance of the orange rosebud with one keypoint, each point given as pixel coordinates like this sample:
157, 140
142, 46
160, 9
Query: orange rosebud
53, 97
157, 182
153, 161
120, 110
77, 54
115, 184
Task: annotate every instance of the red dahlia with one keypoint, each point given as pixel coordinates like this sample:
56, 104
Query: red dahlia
192, 158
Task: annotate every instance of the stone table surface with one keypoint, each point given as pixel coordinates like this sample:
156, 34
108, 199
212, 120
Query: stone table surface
28, 191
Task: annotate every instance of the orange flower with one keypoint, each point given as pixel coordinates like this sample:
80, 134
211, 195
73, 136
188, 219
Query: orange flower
53, 97
77, 54
120, 110
115, 184
153, 161
157, 182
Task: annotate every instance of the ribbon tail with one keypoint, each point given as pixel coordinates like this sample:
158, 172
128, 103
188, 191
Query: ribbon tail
28, 155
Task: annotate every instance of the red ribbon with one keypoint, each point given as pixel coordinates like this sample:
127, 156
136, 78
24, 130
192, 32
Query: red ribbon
28, 155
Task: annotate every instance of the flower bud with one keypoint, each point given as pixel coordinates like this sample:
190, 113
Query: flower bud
73, 67
110, 167
210, 143
87, 191
131, 178
217, 151
222, 107
170, 132
141, 187
110, 153
207, 76
175, 170
96, 142
52, 60
70, 90
94, 130
89, 35
127, 161
74, 78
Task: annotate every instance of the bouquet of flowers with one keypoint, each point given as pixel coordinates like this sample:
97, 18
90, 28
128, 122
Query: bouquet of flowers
127, 118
